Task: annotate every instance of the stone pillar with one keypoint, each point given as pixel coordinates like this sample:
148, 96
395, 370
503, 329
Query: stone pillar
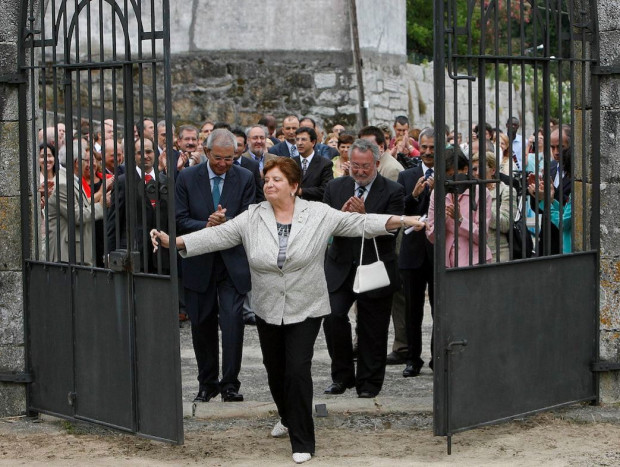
12, 396
609, 37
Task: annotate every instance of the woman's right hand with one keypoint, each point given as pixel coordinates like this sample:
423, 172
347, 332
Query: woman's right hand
159, 238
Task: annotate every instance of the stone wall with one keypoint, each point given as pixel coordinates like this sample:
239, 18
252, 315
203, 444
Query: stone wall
609, 27
12, 396
237, 88
397, 88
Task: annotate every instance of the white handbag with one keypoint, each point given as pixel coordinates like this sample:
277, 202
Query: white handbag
370, 276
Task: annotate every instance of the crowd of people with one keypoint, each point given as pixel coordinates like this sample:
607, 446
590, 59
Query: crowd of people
270, 223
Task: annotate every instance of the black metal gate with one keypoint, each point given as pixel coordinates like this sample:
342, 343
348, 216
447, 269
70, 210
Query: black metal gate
516, 324
101, 309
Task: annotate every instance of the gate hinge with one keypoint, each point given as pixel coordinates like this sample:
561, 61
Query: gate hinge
15, 78
605, 70
123, 261
599, 367
15, 377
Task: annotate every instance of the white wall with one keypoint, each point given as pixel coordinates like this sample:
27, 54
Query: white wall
238, 25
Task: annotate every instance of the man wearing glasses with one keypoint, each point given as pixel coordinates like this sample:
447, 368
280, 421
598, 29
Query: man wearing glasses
364, 191
215, 283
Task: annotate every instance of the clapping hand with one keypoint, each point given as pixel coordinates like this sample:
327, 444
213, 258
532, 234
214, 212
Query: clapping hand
354, 204
422, 183
43, 189
218, 217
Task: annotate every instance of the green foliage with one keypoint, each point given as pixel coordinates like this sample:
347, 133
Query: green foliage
69, 427
511, 27
420, 28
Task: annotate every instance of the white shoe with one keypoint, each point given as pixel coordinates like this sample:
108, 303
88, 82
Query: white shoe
279, 430
301, 457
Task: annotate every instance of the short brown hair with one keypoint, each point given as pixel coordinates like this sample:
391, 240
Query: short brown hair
287, 166
345, 138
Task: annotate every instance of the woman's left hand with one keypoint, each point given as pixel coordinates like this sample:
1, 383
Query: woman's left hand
415, 222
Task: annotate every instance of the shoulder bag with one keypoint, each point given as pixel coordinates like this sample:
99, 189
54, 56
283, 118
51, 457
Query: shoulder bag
370, 276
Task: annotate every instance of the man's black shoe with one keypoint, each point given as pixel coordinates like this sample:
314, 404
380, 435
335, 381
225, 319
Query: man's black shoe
336, 388
205, 395
250, 320
394, 358
230, 395
366, 395
411, 370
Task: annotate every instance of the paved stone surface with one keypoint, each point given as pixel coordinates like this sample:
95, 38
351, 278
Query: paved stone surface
399, 395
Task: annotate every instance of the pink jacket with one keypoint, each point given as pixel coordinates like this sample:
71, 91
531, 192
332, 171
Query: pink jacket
461, 236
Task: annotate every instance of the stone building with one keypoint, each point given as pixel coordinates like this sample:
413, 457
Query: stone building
297, 60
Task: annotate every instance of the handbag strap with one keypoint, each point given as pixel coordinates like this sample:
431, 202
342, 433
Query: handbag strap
373, 241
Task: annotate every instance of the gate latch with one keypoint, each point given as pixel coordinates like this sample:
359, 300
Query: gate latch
124, 261
457, 343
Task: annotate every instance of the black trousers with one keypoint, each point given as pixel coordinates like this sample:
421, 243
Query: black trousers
287, 356
373, 322
222, 304
415, 282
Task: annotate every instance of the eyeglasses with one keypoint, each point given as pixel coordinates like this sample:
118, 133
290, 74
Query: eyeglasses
224, 159
361, 166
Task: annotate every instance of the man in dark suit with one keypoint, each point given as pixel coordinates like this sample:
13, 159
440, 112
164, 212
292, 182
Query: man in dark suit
151, 210
321, 149
364, 191
559, 142
246, 163
316, 170
416, 252
113, 158
287, 148
215, 284
561, 155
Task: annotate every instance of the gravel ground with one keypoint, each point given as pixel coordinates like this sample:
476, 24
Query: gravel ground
393, 429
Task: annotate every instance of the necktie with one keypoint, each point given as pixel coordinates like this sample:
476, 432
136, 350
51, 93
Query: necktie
304, 166
294, 151
147, 179
428, 174
216, 191
360, 191
237, 162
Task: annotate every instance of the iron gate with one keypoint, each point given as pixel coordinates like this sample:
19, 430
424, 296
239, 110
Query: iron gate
516, 332
101, 309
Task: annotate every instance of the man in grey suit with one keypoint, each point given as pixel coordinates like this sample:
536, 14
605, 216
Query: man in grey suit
77, 202
365, 191
257, 150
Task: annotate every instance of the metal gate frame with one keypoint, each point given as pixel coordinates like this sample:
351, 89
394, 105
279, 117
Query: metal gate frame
102, 346
466, 394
